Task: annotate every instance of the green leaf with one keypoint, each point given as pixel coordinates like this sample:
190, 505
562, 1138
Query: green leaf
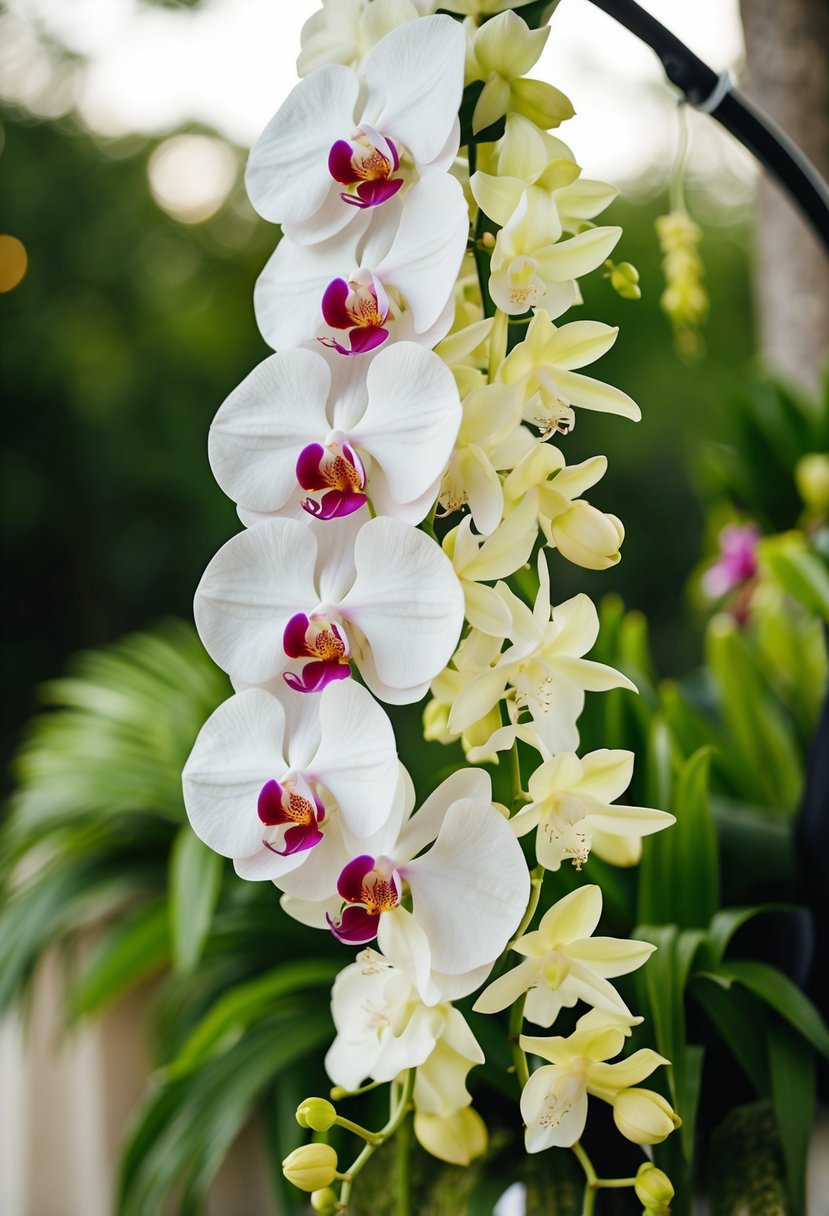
195, 881
804, 575
186, 1123
762, 734
679, 875
781, 994
664, 979
793, 1083
738, 1019
243, 1005
130, 951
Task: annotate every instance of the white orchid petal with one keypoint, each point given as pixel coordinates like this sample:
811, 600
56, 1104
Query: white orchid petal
577, 343
357, 757
287, 175
485, 610
412, 418
260, 430
248, 593
470, 889
424, 826
287, 298
415, 80
406, 600
606, 773
426, 254
237, 751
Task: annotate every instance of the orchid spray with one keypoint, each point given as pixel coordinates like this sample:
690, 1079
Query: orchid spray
426, 358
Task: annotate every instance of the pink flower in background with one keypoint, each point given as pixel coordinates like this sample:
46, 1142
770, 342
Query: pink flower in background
737, 562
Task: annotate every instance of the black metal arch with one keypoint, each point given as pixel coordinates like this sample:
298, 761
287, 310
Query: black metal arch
712, 92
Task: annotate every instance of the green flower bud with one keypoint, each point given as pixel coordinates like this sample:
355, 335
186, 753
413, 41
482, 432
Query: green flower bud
624, 279
811, 476
653, 1189
311, 1167
316, 1113
325, 1202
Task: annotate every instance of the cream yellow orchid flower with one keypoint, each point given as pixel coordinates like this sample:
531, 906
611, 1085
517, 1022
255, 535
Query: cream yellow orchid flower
543, 367
528, 159
572, 812
564, 963
478, 560
531, 267
500, 52
491, 437
583, 534
554, 1100
544, 665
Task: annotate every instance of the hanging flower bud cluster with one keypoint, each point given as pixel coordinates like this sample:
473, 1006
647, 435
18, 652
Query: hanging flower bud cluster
422, 378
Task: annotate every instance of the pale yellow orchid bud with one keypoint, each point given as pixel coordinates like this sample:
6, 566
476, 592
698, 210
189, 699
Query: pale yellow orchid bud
643, 1116
316, 1113
654, 1189
435, 723
325, 1202
312, 1167
587, 537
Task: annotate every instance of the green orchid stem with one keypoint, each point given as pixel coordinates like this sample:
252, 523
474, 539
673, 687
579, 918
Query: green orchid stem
385, 1133
590, 1178
403, 1144
497, 343
362, 1132
515, 771
519, 1059
592, 1183
479, 250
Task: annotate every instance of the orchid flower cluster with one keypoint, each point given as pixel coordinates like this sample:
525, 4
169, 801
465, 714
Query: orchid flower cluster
420, 372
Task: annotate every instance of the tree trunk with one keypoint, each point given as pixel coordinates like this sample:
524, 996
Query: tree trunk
787, 45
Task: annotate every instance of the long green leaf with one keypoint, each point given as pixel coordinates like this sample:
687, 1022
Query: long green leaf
130, 951
738, 1019
195, 881
243, 1005
781, 994
679, 877
793, 1081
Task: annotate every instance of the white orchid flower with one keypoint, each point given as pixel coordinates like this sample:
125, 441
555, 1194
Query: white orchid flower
542, 365
287, 439
583, 534
468, 889
531, 267
527, 158
554, 1100
344, 31
344, 142
378, 593
565, 964
572, 812
501, 52
544, 665
393, 276
384, 1028
280, 782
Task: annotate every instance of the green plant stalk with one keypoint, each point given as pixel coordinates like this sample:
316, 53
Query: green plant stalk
519, 1059
385, 1133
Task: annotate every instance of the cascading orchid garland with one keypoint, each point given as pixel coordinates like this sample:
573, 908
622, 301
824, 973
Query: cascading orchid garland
420, 373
